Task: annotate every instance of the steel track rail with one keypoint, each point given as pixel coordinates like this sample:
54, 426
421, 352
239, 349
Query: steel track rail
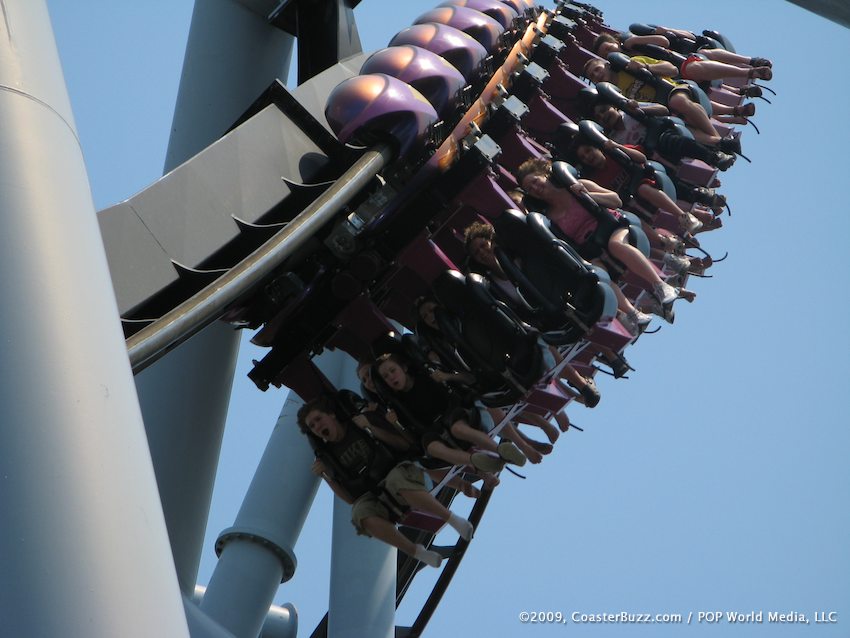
187, 319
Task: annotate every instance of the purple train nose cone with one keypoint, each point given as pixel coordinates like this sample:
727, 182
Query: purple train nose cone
499, 11
426, 72
459, 49
481, 27
367, 109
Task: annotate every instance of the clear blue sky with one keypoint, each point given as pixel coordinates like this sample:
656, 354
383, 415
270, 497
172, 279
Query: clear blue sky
717, 477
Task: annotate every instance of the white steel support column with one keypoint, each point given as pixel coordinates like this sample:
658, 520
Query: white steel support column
363, 582
361, 600
258, 552
232, 55
82, 522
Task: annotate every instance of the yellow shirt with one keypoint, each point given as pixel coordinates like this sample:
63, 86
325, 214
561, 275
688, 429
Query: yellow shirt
639, 90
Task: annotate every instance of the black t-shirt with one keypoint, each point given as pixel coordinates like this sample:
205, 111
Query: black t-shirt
427, 400
362, 461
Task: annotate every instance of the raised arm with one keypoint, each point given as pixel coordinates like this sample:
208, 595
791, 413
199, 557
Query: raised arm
637, 40
659, 68
393, 440
633, 154
318, 468
599, 194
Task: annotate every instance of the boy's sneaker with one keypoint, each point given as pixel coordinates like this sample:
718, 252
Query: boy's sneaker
510, 453
486, 462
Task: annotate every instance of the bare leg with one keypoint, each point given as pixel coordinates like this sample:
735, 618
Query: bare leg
385, 531
634, 260
512, 434
722, 109
456, 483
703, 138
440, 450
660, 199
623, 302
536, 420
462, 430
425, 501
563, 421
715, 70
722, 55
693, 113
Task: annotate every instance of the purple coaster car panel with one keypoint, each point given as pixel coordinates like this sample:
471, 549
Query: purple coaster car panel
543, 118
575, 57
611, 335
722, 96
485, 195
563, 87
461, 50
518, 147
374, 107
427, 72
585, 35
696, 172
499, 11
483, 28
548, 397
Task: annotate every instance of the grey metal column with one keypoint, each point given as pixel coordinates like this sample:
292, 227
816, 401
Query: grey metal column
258, 552
232, 55
82, 522
363, 570
363, 582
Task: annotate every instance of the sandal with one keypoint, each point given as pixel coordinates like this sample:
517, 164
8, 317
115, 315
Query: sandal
760, 73
750, 90
590, 393
744, 110
671, 243
699, 265
620, 367
761, 62
714, 224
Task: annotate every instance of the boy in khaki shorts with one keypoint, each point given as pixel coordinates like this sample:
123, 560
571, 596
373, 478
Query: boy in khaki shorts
367, 465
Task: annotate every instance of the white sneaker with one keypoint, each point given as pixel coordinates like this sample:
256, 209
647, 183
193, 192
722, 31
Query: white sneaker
642, 318
634, 321
691, 224
676, 263
665, 293
629, 323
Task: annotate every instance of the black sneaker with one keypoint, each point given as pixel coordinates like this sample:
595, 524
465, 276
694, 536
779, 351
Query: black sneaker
751, 90
761, 62
723, 161
730, 144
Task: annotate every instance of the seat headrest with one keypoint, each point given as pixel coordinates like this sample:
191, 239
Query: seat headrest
563, 174
618, 60
591, 132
